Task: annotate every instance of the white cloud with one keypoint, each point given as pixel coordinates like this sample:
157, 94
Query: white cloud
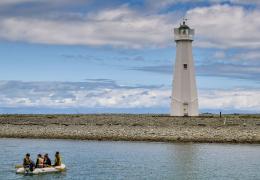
50, 2
219, 54
106, 94
220, 26
126, 98
118, 27
245, 1
249, 55
167, 3
12, 2
225, 26
239, 99
83, 94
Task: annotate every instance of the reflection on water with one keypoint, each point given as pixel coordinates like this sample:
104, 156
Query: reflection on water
185, 161
135, 160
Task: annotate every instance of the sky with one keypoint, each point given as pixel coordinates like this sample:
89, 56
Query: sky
117, 56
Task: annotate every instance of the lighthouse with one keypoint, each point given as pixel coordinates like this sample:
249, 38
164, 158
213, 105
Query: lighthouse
184, 99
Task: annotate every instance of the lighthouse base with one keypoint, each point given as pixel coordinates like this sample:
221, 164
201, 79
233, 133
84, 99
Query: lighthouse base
184, 108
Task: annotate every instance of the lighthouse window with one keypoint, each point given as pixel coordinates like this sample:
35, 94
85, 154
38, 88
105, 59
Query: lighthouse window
185, 66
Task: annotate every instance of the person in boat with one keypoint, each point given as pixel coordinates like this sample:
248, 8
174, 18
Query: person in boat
47, 161
39, 161
28, 163
57, 159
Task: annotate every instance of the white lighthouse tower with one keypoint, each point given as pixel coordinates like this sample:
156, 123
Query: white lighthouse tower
184, 101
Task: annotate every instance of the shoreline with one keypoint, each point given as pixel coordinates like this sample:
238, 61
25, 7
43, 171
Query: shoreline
125, 127
134, 140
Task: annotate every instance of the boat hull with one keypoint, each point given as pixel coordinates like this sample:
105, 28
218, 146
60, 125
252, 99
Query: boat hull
42, 170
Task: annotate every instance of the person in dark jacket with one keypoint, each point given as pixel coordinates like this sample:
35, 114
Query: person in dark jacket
28, 163
47, 161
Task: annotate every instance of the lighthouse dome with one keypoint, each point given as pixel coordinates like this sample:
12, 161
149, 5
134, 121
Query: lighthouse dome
183, 32
184, 26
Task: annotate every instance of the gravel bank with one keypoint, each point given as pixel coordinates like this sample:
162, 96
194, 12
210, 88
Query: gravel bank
228, 129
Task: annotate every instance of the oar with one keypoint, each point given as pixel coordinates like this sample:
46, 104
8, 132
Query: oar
18, 166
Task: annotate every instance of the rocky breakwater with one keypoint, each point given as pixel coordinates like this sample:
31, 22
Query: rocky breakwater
228, 129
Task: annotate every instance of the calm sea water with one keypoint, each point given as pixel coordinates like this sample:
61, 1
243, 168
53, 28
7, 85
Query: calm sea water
135, 160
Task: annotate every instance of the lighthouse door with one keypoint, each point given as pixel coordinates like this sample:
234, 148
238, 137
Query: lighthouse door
185, 109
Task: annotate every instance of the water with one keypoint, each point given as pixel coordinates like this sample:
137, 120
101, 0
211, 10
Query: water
135, 160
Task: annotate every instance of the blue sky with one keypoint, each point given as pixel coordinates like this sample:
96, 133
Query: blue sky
87, 56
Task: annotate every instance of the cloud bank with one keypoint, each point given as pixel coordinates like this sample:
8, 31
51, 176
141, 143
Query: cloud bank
225, 26
219, 26
107, 94
97, 93
116, 27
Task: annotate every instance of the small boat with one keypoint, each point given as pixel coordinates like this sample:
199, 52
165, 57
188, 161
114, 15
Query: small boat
23, 170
